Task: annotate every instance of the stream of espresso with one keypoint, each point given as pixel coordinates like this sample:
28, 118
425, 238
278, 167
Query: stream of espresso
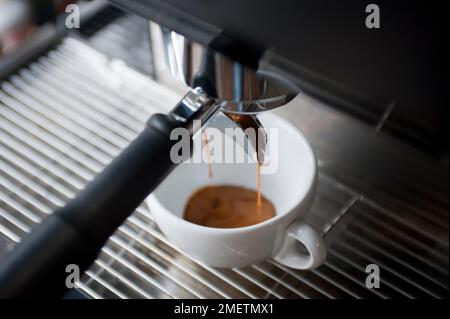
258, 198
228, 206
208, 158
245, 122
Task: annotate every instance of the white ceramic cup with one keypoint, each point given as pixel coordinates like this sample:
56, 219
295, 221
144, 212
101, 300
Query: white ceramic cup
284, 237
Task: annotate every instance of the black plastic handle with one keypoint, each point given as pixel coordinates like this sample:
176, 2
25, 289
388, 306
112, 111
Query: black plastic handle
75, 233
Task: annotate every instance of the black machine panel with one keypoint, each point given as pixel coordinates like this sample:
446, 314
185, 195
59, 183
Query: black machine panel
400, 66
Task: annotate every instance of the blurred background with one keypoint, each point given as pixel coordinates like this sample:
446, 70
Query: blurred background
21, 18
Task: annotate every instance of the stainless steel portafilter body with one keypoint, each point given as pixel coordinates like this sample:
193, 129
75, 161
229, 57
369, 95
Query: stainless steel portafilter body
240, 91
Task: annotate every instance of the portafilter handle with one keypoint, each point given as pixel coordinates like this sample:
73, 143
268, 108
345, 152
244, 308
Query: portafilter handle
75, 233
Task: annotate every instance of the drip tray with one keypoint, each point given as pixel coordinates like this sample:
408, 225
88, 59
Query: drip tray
66, 115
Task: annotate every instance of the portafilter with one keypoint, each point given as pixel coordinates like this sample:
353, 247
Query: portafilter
75, 233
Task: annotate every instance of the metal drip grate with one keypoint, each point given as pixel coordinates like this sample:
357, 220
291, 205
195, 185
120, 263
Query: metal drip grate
63, 117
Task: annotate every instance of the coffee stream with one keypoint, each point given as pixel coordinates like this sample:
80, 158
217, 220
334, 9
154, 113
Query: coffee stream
245, 121
258, 198
228, 206
206, 141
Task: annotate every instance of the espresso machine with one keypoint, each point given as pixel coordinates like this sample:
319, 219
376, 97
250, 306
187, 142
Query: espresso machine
239, 59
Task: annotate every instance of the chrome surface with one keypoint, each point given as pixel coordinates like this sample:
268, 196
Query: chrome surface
196, 105
238, 88
254, 133
66, 115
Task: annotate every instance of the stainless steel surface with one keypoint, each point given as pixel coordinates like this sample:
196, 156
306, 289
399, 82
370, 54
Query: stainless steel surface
66, 115
111, 30
196, 105
254, 133
238, 88
197, 109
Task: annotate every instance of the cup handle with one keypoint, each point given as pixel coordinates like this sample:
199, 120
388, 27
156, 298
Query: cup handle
289, 255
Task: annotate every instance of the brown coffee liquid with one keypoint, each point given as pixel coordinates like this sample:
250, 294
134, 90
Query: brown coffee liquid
258, 198
227, 207
244, 121
206, 141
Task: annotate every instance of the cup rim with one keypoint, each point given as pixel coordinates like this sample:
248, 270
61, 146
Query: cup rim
152, 199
